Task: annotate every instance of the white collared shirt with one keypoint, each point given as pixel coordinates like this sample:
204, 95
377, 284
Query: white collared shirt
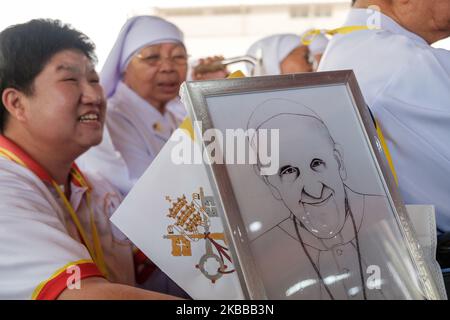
135, 132
38, 239
406, 84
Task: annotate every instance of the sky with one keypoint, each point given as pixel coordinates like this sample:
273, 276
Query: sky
101, 20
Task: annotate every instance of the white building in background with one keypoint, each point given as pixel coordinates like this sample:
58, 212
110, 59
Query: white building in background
229, 28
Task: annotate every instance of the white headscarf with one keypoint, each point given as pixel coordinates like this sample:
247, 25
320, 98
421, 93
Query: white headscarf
137, 32
274, 49
319, 43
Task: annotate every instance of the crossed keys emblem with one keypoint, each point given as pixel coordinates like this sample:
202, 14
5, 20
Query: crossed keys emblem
192, 225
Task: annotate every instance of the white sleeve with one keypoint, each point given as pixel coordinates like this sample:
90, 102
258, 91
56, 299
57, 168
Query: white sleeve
414, 115
38, 258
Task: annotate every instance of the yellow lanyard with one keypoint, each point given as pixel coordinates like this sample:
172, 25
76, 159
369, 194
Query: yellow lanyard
308, 37
386, 151
95, 251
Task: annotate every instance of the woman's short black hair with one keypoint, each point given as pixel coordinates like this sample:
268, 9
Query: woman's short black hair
26, 48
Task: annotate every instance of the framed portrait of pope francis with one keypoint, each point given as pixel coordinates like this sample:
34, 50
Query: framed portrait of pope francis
308, 201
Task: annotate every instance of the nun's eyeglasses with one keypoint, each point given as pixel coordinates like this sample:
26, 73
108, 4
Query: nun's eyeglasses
156, 60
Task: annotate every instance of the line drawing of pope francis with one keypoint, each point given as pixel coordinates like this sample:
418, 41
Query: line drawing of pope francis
318, 249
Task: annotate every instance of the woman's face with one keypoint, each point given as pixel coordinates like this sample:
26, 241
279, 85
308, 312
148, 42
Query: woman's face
156, 72
297, 61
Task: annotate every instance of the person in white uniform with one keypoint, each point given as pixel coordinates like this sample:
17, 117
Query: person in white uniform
281, 54
56, 240
141, 78
405, 82
285, 53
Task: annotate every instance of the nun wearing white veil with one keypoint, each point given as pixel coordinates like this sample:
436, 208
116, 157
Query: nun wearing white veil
285, 53
281, 54
141, 79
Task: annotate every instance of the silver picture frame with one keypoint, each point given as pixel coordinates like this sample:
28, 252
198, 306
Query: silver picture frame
199, 98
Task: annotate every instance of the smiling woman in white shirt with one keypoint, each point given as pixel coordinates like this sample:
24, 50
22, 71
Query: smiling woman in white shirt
55, 232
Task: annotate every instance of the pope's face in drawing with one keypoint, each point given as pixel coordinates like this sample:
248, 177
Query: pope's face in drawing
310, 176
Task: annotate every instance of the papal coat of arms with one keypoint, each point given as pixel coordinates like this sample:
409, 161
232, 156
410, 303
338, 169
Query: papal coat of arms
192, 226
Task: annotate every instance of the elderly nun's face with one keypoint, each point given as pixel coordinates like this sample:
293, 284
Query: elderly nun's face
297, 61
156, 72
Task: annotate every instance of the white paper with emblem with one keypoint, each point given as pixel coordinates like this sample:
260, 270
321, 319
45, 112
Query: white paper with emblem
170, 216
